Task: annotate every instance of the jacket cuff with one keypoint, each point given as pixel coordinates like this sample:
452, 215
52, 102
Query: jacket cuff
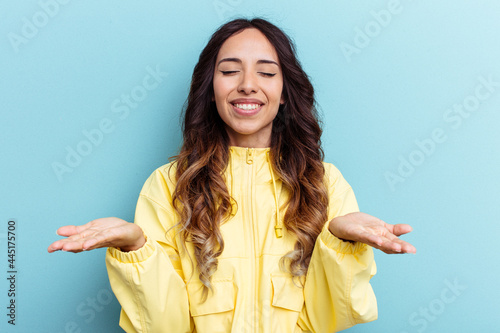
136, 256
340, 246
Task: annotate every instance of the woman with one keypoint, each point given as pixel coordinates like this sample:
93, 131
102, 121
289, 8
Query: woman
247, 229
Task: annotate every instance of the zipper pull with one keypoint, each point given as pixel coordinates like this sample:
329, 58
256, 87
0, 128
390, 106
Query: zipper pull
249, 155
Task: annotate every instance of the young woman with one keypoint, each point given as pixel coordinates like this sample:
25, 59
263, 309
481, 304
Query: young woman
247, 230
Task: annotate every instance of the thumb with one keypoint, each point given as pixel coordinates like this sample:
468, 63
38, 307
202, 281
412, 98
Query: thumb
401, 229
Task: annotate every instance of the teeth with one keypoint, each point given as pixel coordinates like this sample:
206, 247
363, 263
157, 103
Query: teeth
247, 106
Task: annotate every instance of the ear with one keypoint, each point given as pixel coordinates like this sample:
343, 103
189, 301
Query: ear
282, 100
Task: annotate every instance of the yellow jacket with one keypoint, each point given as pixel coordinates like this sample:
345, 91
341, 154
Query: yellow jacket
159, 291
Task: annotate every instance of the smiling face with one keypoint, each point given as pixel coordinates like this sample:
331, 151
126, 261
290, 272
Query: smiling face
248, 84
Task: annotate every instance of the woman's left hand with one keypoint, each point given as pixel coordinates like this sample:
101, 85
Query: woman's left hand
361, 227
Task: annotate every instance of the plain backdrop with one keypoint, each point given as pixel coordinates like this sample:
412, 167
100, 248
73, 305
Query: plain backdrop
409, 95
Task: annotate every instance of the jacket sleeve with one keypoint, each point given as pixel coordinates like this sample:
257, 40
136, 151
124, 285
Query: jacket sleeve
149, 282
337, 290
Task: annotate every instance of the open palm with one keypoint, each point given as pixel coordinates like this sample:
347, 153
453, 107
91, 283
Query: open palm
103, 232
371, 230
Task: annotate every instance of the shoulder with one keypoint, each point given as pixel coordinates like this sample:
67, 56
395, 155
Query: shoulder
334, 180
161, 181
331, 170
332, 173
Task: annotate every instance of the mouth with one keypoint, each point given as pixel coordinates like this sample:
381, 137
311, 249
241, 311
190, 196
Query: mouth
247, 109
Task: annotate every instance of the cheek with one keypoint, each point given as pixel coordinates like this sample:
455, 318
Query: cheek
277, 90
220, 97
222, 88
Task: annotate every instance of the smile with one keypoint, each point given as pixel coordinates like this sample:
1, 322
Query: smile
247, 106
247, 109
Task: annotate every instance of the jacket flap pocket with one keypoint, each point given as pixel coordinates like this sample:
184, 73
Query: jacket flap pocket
220, 300
286, 293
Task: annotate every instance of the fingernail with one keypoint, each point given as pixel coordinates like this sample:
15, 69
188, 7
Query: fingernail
57, 233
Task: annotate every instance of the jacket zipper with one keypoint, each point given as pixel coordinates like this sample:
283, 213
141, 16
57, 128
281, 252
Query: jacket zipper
251, 180
250, 155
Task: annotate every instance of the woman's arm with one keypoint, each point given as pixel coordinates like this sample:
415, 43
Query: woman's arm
337, 291
143, 264
149, 282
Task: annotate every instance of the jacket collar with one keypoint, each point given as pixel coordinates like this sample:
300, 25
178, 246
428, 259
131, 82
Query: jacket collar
261, 157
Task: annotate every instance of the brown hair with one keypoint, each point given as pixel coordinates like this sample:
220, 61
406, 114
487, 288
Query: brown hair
201, 196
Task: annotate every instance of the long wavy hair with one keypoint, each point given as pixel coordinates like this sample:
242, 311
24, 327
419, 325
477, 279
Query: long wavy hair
201, 196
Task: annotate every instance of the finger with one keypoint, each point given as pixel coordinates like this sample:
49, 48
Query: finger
367, 238
404, 247
384, 244
69, 230
101, 239
398, 246
56, 246
408, 248
95, 242
391, 252
74, 242
73, 238
392, 245
401, 229
385, 247
371, 239
72, 246
381, 239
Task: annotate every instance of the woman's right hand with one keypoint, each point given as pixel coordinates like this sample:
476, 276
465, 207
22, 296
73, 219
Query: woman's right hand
103, 232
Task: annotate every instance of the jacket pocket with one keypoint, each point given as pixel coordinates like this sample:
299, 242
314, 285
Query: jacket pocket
287, 294
222, 299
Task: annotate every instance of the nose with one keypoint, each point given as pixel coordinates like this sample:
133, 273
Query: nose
248, 83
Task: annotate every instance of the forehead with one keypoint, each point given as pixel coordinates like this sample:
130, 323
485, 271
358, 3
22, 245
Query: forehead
249, 44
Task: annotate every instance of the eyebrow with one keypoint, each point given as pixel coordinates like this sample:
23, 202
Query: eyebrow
261, 61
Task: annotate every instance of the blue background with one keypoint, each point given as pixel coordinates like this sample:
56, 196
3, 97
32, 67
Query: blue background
382, 85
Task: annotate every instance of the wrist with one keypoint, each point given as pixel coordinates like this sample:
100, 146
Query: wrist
139, 243
132, 248
346, 240
336, 233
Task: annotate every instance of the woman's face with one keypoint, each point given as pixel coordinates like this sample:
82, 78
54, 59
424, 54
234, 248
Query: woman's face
248, 85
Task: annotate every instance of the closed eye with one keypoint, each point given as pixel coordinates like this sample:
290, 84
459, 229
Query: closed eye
228, 72
263, 73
